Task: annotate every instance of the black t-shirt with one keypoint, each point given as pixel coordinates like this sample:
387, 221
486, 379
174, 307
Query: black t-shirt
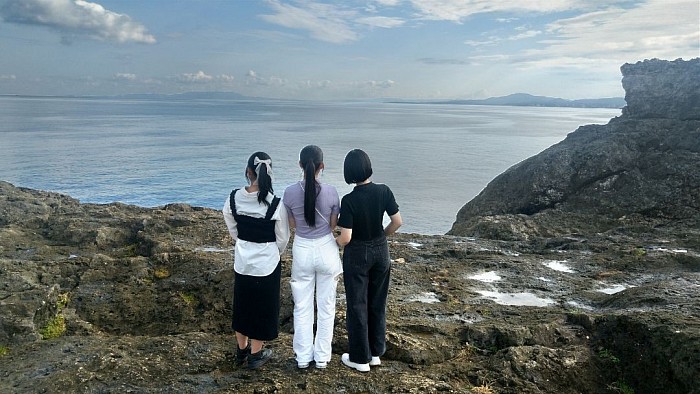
362, 210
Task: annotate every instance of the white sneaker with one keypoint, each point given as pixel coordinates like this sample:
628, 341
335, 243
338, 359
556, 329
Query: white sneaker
321, 364
303, 365
375, 361
359, 367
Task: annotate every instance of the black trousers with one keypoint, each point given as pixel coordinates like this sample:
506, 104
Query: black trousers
366, 271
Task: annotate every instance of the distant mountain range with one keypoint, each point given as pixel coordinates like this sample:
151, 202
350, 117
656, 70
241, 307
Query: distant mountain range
528, 100
517, 99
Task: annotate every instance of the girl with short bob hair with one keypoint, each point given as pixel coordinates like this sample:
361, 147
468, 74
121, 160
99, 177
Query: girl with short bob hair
260, 231
366, 261
313, 209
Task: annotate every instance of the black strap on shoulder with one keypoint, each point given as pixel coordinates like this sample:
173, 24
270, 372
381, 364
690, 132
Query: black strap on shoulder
272, 208
232, 201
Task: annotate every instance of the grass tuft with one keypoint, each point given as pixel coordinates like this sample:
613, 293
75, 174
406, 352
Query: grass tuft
189, 298
4, 350
54, 329
605, 354
161, 273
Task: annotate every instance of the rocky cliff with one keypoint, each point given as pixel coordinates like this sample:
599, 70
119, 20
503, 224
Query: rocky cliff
643, 165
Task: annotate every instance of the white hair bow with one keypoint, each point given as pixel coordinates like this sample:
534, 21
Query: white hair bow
268, 163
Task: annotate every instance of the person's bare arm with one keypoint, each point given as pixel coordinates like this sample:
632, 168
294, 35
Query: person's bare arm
394, 225
344, 237
334, 221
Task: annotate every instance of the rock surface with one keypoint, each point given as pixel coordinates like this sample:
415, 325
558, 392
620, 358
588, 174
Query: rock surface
644, 164
145, 297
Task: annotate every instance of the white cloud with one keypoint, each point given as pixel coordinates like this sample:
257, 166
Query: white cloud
226, 78
197, 77
666, 29
457, 10
10, 77
388, 3
125, 76
375, 84
493, 40
525, 34
381, 21
324, 22
252, 78
443, 61
76, 17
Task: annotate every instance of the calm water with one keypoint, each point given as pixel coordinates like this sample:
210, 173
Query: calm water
153, 152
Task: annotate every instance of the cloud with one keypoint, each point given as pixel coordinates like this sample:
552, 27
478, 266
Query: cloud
202, 77
252, 78
76, 17
10, 77
324, 22
125, 76
666, 29
457, 10
432, 60
388, 3
198, 77
381, 21
493, 40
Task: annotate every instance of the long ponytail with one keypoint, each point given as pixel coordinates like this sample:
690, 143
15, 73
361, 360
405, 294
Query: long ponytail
262, 174
310, 158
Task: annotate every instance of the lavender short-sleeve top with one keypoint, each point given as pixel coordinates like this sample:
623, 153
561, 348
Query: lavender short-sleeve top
327, 205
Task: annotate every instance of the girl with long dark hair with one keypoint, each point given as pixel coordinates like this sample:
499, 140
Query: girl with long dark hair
259, 227
313, 209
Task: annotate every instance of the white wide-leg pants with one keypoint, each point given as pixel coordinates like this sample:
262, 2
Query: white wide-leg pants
316, 267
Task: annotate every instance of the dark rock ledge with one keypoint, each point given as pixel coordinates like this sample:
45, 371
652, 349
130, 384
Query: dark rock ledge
570, 288
148, 308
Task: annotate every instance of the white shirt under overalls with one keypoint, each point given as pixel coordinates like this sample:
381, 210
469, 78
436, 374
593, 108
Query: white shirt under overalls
252, 258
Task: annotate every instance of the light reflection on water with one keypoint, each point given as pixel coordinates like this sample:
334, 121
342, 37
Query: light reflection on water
516, 299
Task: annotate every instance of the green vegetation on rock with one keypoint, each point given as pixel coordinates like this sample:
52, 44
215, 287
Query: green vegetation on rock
54, 329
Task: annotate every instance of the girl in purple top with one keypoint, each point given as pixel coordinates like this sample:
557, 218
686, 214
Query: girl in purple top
313, 209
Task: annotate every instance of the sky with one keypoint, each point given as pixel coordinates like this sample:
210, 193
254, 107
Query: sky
337, 50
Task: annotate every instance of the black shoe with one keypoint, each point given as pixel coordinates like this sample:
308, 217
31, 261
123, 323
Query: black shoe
242, 355
256, 360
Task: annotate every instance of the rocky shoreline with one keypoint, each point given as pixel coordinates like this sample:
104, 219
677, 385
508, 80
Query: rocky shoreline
145, 297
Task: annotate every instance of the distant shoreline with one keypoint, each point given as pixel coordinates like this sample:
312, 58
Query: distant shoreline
513, 100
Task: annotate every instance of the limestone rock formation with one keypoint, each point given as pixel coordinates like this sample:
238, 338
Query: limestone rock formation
644, 164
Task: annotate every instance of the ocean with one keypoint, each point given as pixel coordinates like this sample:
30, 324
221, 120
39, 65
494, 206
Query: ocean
151, 152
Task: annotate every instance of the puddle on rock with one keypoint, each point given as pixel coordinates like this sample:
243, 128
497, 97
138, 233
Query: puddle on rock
426, 298
558, 265
666, 250
516, 299
486, 277
613, 289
